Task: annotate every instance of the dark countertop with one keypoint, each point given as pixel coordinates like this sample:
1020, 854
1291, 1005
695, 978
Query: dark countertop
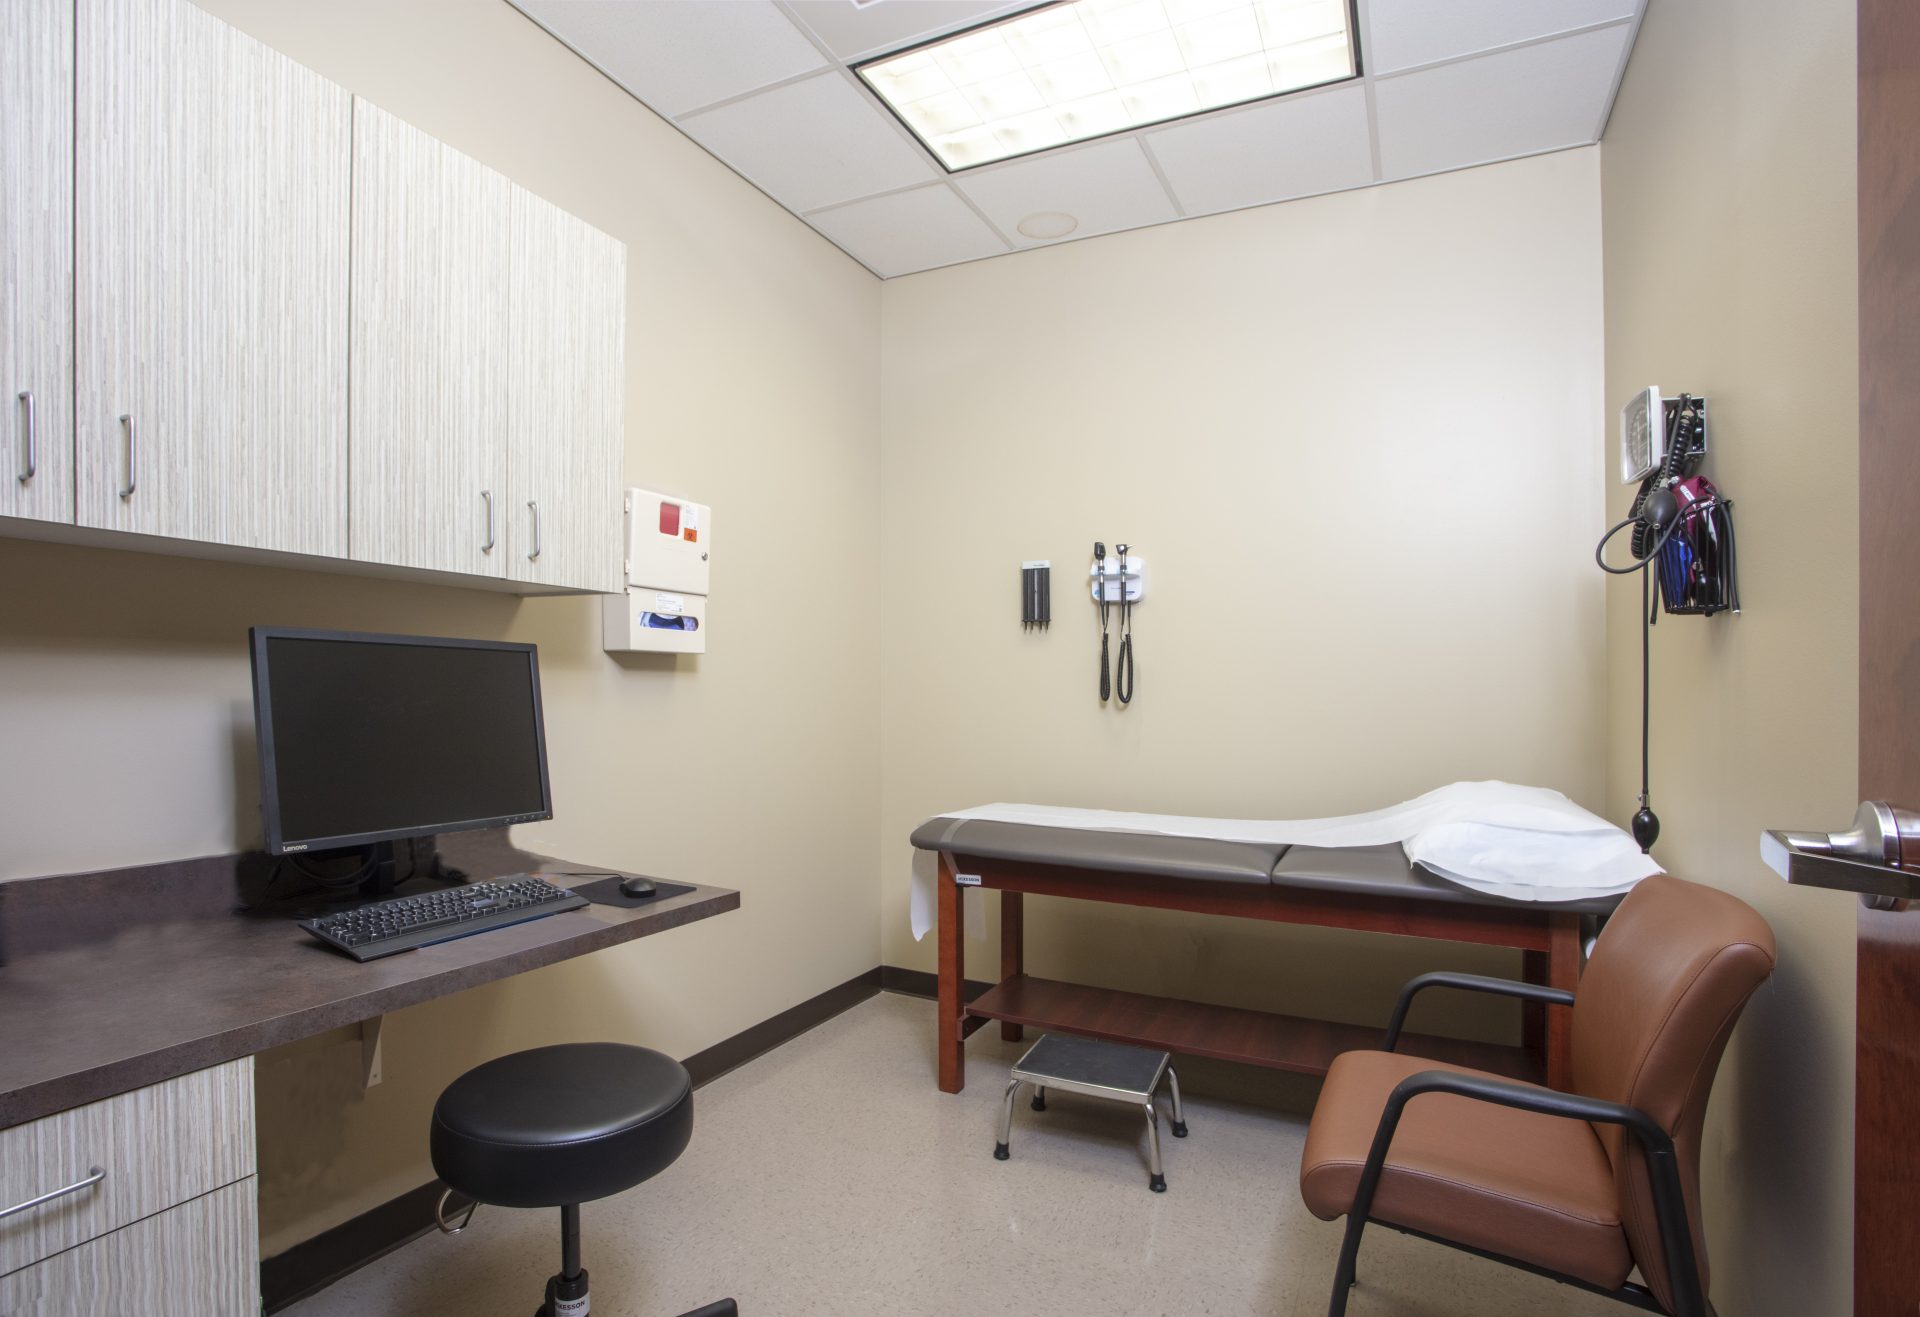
113, 981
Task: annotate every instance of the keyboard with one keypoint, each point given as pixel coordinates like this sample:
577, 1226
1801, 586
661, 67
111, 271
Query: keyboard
381, 928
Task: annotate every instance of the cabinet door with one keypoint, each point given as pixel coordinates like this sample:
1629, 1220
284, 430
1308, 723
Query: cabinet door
566, 443
429, 351
211, 264
36, 259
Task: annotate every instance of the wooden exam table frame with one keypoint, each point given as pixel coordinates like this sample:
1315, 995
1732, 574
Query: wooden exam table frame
1548, 938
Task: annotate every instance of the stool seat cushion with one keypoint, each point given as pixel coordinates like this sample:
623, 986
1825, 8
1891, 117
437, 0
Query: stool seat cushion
556, 1126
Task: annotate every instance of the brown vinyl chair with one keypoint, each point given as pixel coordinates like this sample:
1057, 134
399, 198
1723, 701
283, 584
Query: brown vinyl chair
1581, 1187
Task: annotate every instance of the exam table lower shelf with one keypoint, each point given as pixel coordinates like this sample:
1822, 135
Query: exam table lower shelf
1224, 1033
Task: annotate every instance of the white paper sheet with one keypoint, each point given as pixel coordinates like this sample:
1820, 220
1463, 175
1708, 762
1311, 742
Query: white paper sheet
1521, 843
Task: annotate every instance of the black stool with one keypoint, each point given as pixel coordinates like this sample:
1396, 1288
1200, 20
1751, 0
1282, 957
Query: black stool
561, 1126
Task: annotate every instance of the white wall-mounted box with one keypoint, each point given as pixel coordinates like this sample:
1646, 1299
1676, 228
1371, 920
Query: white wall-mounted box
664, 607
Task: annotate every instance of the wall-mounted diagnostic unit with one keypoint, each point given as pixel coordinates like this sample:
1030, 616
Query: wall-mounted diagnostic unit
664, 609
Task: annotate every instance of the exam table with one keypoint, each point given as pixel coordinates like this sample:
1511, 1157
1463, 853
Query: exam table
1370, 888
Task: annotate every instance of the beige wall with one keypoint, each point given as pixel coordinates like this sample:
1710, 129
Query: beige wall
1728, 185
1357, 439
752, 384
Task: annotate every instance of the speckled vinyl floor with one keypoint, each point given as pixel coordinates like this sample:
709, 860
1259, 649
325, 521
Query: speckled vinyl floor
832, 1177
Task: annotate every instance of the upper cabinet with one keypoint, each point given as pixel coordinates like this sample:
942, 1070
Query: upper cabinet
429, 396
243, 312
565, 449
36, 259
488, 346
211, 235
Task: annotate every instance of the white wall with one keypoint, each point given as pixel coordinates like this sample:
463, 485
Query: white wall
1729, 190
1358, 440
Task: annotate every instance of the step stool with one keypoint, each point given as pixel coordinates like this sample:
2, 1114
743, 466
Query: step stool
1097, 1069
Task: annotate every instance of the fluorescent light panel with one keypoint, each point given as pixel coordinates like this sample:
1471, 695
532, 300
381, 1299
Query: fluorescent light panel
1086, 68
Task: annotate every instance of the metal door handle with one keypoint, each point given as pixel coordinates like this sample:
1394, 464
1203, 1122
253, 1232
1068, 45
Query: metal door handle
1878, 857
132, 470
487, 494
94, 1176
32, 464
535, 509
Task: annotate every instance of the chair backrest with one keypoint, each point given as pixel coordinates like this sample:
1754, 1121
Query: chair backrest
1666, 982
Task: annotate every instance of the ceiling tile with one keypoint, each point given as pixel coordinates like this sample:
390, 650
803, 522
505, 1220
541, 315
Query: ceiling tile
677, 56
909, 231
811, 144
1407, 33
1536, 98
1293, 147
1106, 186
850, 30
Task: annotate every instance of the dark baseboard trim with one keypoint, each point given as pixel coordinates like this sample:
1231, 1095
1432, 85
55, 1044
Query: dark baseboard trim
312, 1265
732, 1053
921, 983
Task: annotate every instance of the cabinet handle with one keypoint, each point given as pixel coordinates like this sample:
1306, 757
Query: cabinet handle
132, 452
487, 494
535, 509
94, 1176
32, 464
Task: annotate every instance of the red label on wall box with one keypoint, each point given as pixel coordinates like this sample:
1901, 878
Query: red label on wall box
669, 518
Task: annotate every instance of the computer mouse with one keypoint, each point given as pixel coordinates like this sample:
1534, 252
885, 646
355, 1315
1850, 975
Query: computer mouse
635, 885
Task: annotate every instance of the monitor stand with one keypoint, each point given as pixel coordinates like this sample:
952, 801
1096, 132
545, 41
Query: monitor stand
382, 881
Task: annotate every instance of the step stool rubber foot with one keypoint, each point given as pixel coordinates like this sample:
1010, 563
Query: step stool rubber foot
1179, 1129
1000, 1152
1039, 1103
1158, 1184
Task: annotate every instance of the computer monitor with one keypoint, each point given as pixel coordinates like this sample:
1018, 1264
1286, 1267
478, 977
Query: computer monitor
368, 739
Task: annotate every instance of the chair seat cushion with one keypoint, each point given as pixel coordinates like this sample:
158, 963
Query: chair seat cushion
561, 1125
1532, 1187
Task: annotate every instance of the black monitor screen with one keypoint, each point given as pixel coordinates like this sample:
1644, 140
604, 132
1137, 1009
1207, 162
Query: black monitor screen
372, 738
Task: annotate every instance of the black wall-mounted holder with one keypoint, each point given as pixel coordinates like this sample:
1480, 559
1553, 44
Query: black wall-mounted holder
1036, 594
1683, 547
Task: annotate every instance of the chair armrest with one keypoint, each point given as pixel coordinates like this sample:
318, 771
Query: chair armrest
1470, 983
1676, 1232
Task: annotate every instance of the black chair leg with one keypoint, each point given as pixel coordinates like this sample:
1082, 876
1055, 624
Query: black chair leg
1346, 1272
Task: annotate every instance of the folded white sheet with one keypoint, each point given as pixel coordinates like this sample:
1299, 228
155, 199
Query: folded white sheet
1521, 843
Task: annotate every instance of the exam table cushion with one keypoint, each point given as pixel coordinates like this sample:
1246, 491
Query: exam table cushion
1361, 870
1527, 1186
562, 1125
1115, 852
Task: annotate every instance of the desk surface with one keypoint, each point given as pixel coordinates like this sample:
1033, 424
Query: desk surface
102, 993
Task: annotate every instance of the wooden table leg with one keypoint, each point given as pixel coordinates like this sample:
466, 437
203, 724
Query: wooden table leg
952, 934
1013, 950
1563, 971
1533, 1016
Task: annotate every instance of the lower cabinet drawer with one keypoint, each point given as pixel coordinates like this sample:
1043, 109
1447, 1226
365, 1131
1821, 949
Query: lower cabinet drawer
200, 1259
156, 1146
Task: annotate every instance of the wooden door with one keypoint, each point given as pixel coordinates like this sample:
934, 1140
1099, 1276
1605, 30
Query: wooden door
211, 269
429, 352
1887, 1050
566, 441
36, 259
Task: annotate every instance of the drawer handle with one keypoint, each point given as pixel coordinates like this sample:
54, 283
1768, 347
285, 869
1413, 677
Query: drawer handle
132, 456
94, 1176
26, 401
